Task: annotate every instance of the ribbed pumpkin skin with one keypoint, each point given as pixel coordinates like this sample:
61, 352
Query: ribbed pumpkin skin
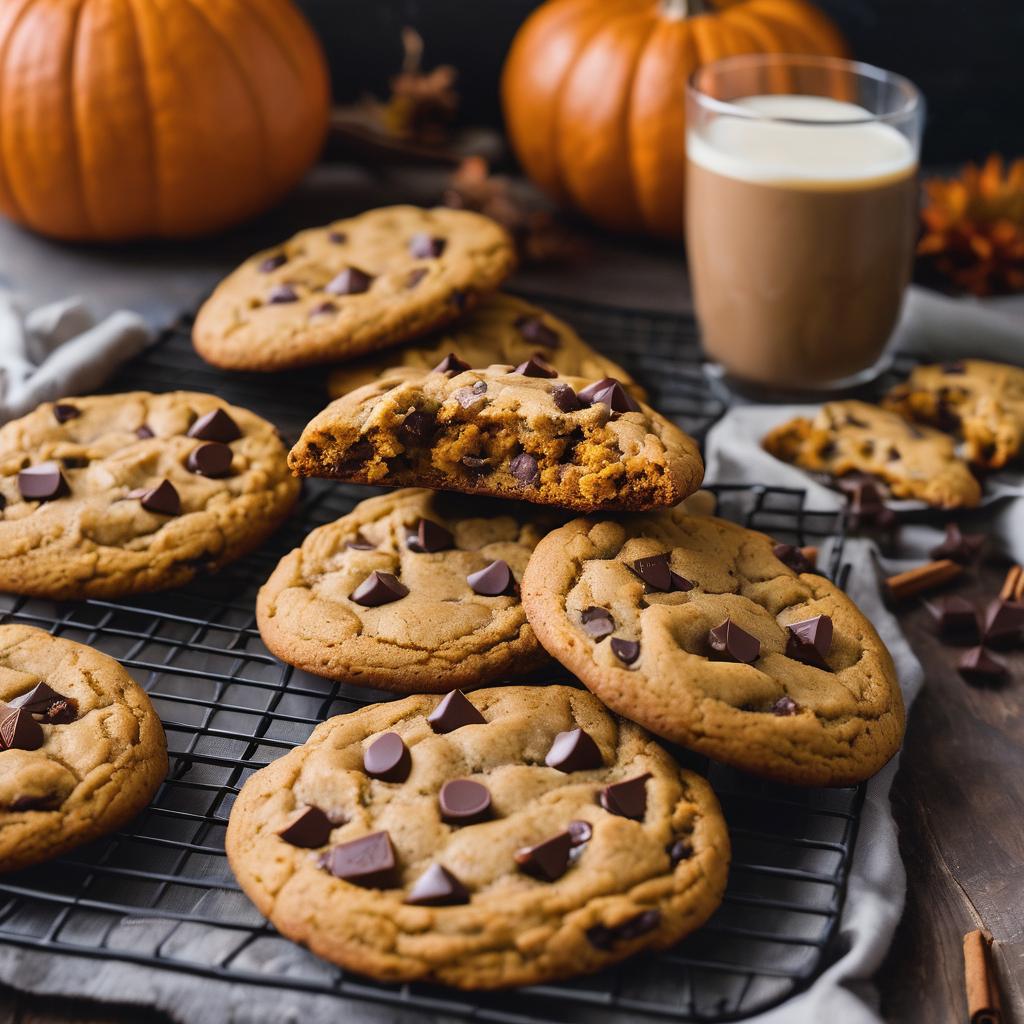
594, 91
124, 119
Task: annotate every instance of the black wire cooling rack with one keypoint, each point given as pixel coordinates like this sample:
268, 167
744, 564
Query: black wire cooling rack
160, 893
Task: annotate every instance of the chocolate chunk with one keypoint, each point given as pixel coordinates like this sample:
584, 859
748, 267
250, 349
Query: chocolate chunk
337, 237
417, 429
493, 580
451, 364
437, 887
535, 367
62, 412
323, 308
144, 433
574, 751
215, 426
475, 464
356, 454
369, 861
211, 459
960, 547
979, 668
468, 398
360, 543
415, 276
424, 246
480, 387
41, 699
627, 799
308, 828
597, 622
271, 263
792, 557
627, 651
61, 711
42, 483
163, 499
893, 455
735, 643
525, 469
680, 583
616, 397
954, 367
387, 758
548, 860
74, 461
580, 832
654, 571
605, 938
379, 588
785, 706
586, 395
679, 850
955, 618
565, 398
1003, 623
429, 537
535, 331
281, 293
855, 421
464, 802
351, 281
453, 712
20, 731
810, 640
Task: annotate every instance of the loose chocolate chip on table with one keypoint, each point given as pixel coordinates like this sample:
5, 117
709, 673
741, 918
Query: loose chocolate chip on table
978, 667
565, 398
627, 651
163, 499
735, 643
574, 751
417, 428
453, 712
351, 281
282, 293
42, 483
20, 731
627, 799
308, 828
62, 412
597, 622
425, 246
955, 618
535, 331
792, 557
215, 426
451, 364
810, 640
369, 861
144, 432
679, 850
211, 459
379, 588
494, 580
580, 831
605, 938
323, 308
415, 276
958, 546
360, 543
616, 397
524, 468
273, 262
548, 860
337, 237
387, 758
429, 537
785, 706
437, 887
1003, 622
464, 802
535, 367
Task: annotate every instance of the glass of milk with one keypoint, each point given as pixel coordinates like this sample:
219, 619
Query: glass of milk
801, 216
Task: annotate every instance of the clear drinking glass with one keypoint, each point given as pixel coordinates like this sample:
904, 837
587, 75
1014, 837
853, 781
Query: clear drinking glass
801, 216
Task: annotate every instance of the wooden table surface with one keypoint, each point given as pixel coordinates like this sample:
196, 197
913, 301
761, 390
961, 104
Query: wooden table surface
959, 794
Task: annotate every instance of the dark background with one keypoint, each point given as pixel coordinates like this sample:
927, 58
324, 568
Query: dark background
966, 55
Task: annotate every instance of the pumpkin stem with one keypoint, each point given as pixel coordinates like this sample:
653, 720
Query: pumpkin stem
680, 9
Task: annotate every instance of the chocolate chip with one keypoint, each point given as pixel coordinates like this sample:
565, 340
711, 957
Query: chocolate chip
308, 828
605, 938
144, 433
580, 832
893, 454
615, 396
535, 331
415, 276
464, 802
74, 462
597, 622
475, 464
574, 751
586, 395
451, 364
429, 538
271, 263
360, 543
494, 580
454, 712
627, 799
20, 731
211, 459
468, 397
785, 706
62, 412
42, 483
653, 570
424, 246
281, 293
437, 887
960, 547
1003, 622
535, 367
163, 499
954, 367
387, 758
337, 237
792, 557
546, 861
351, 281
627, 651
735, 643
565, 398
855, 421
323, 308
42, 699
379, 588
979, 668
417, 429
955, 618
810, 640
356, 454
368, 861
679, 850
525, 469
215, 426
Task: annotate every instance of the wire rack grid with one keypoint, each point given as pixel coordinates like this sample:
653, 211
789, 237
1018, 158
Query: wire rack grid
160, 892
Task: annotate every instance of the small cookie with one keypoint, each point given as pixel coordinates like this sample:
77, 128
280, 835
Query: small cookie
447, 614
707, 638
521, 432
502, 329
980, 402
119, 494
81, 748
850, 437
520, 835
352, 287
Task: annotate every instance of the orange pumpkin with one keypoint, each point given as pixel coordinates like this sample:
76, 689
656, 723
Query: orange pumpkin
130, 118
594, 94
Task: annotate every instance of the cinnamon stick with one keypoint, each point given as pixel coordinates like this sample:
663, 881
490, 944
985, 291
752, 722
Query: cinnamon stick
810, 552
1018, 590
922, 578
983, 1004
1012, 584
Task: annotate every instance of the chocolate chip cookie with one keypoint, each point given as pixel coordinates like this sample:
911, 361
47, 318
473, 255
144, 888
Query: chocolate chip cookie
512, 432
699, 630
118, 494
502, 329
81, 748
412, 591
352, 287
515, 836
855, 437
978, 401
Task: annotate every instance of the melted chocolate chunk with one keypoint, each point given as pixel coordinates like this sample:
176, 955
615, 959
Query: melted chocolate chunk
792, 557
351, 281
74, 462
734, 643
627, 799
454, 712
368, 861
281, 293
387, 758
360, 543
494, 580
424, 246
548, 860
536, 332
573, 751
271, 263
679, 850
377, 589
43, 700
417, 429
415, 276
464, 802
62, 412
810, 640
44, 482
20, 731
565, 398
627, 651
356, 454
308, 828
535, 367
525, 469
162, 499
605, 938
597, 622
451, 364
215, 426
211, 459
429, 538
437, 887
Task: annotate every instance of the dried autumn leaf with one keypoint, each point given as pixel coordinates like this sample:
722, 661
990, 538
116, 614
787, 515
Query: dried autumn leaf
423, 104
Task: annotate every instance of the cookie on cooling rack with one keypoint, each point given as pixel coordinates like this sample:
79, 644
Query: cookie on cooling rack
110, 495
81, 748
693, 627
511, 837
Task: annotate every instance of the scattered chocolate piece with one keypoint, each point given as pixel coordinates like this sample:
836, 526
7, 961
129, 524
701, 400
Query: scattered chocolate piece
464, 802
960, 547
415, 276
679, 850
574, 751
616, 397
417, 429
211, 459
792, 557
429, 538
597, 622
20, 731
387, 758
605, 938
535, 367
979, 668
580, 832
215, 426
627, 651
337, 237
144, 433
163, 499
955, 618
525, 469
867, 504
548, 860
368, 861
810, 640
425, 246
62, 412
494, 580
735, 643
351, 281
308, 828
627, 799
379, 588
451, 364
565, 398
453, 712
271, 263
361, 543
42, 483
282, 293
785, 706
437, 887
323, 308
1003, 623
535, 331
